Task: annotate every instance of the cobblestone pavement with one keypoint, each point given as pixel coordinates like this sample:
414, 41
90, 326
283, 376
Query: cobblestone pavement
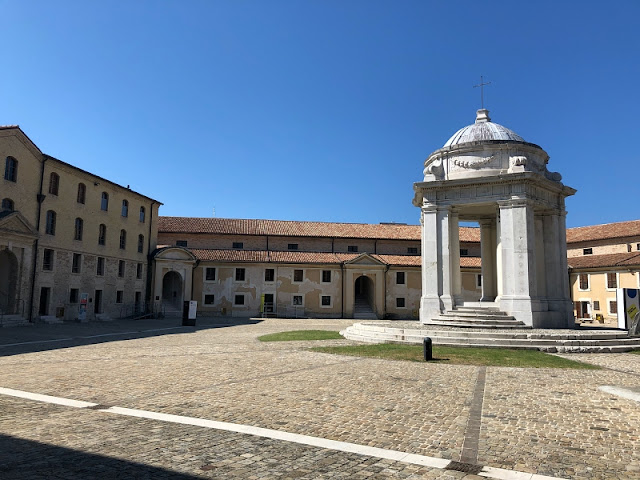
545, 421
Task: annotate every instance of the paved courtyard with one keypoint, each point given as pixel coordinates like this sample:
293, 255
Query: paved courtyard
151, 387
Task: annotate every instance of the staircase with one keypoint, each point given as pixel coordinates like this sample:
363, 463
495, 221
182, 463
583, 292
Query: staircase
362, 310
476, 315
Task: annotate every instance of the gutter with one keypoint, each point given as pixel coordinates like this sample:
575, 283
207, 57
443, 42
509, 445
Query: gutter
40, 198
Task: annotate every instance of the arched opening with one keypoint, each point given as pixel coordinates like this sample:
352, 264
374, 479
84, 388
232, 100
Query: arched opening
8, 282
172, 289
364, 296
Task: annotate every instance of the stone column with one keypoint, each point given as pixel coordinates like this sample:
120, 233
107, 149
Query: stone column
454, 249
540, 235
488, 255
563, 268
517, 241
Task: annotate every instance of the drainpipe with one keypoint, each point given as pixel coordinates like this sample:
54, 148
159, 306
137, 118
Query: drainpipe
40, 198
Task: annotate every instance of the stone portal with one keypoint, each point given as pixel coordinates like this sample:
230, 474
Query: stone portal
489, 174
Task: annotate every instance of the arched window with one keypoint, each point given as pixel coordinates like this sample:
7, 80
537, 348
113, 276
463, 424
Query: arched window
54, 183
140, 243
79, 227
142, 214
102, 234
50, 227
123, 239
104, 204
125, 208
11, 169
82, 191
7, 204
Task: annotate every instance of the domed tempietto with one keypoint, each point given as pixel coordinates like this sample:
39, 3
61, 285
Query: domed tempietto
489, 174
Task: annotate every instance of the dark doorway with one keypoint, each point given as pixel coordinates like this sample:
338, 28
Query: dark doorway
45, 292
8, 282
582, 310
172, 289
364, 298
97, 302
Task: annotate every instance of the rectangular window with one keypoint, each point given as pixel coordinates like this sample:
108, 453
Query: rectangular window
412, 250
210, 274
121, 265
352, 248
612, 280
238, 300
238, 245
613, 307
584, 281
269, 274
100, 266
209, 299
292, 246
181, 243
596, 305
47, 259
297, 300
587, 251
74, 294
638, 246
119, 296
326, 276
139, 271
325, 300
400, 278
478, 281
76, 264
298, 275
399, 302
240, 274
464, 252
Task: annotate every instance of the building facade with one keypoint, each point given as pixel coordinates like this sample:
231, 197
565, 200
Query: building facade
73, 245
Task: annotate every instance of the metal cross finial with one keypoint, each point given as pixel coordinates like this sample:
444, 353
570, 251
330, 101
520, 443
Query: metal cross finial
481, 85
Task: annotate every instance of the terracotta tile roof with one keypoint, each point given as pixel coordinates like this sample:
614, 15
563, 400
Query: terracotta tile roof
400, 260
239, 226
230, 255
470, 262
305, 257
609, 260
601, 232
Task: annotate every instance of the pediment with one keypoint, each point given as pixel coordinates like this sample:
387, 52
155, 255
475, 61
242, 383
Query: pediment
365, 259
14, 223
175, 253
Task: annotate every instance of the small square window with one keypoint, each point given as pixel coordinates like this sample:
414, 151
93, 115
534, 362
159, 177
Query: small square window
269, 274
181, 243
119, 296
412, 250
596, 305
121, 266
464, 252
238, 300
352, 248
400, 302
76, 263
400, 278
209, 299
325, 300
74, 294
298, 275
100, 266
587, 251
292, 246
47, 259
238, 245
240, 274
638, 246
326, 276
210, 274
139, 270
297, 300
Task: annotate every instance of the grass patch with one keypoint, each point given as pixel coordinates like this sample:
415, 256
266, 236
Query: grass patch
494, 357
637, 352
301, 335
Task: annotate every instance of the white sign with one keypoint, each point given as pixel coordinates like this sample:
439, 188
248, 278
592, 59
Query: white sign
628, 300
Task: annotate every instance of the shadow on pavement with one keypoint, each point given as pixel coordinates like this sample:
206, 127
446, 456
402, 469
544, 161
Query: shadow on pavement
26, 459
39, 338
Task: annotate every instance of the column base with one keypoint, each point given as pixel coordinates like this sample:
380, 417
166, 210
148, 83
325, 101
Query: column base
430, 307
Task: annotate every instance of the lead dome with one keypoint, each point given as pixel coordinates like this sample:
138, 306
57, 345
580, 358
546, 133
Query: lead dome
482, 130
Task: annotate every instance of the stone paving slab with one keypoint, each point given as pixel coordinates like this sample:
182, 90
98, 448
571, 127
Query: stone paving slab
553, 422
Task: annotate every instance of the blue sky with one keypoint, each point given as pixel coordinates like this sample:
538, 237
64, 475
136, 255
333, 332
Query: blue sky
322, 110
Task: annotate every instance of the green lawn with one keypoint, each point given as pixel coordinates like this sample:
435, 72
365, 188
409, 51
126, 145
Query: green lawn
637, 352
301, 335
501, 357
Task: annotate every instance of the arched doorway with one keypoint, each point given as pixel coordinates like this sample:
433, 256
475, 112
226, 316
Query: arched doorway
172, 289
8, 282
364, 298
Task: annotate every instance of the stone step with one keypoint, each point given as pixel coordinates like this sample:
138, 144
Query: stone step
13, 321
482, 323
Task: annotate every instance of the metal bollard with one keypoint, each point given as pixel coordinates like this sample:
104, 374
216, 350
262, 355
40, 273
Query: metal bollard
427, 349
